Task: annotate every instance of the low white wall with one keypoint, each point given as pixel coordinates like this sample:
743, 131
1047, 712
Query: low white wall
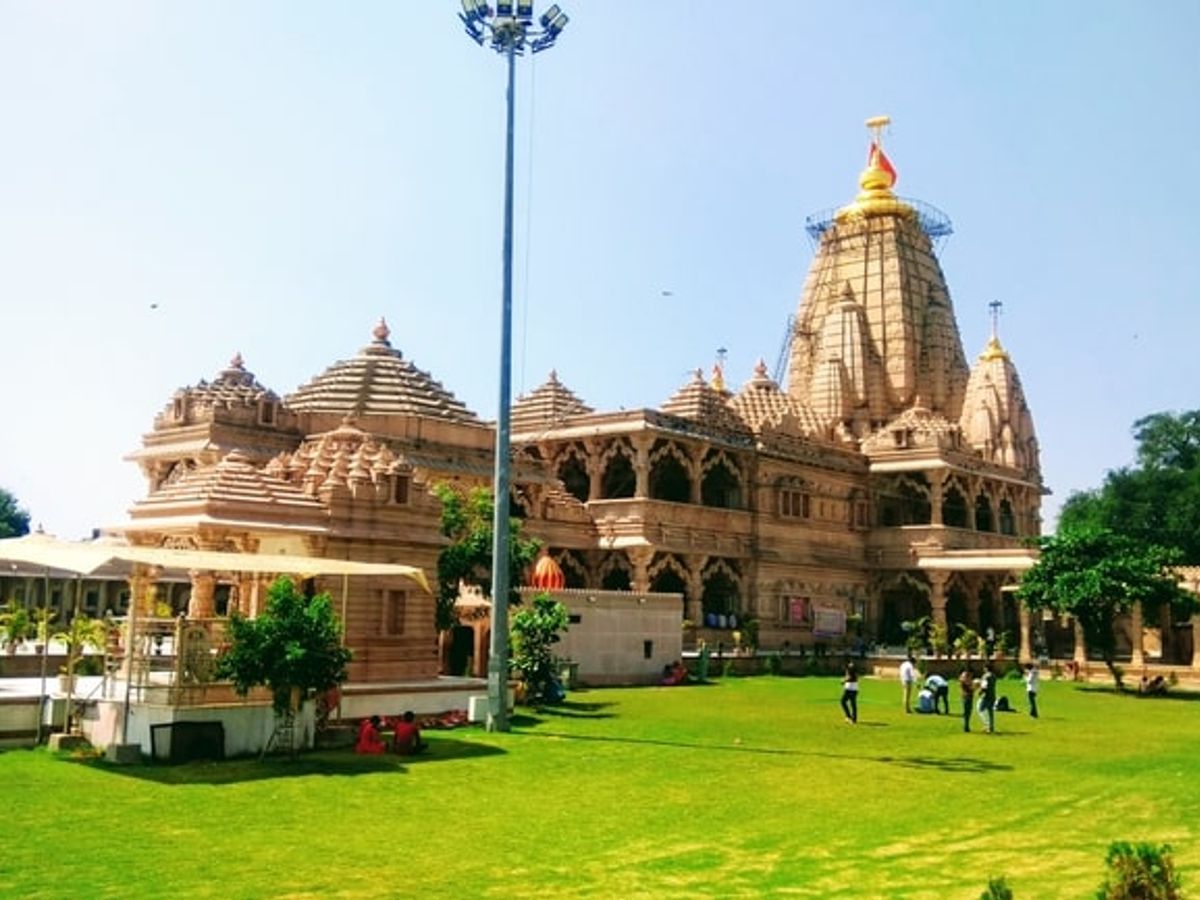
614, 630
18, 721
248, 726
426, 698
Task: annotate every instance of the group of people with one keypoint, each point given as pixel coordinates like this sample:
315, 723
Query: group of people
934, 696
406, 736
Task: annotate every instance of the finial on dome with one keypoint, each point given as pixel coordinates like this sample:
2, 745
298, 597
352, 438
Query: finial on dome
698, 377
760, 368
237, 362
381, 331
876, 180
553, 379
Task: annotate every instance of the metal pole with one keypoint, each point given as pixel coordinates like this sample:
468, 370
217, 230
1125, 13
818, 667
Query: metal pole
44, 624
498, 650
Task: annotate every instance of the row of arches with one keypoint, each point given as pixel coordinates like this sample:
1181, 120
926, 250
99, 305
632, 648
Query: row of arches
910, 499
709, 584
664, 470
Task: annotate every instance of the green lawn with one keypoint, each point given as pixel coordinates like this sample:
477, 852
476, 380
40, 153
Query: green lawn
741, 788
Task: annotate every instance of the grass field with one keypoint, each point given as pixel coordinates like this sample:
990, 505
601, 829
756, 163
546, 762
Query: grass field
745, 787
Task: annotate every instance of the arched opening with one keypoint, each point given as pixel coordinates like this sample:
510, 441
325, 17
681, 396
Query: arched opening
574, 476
1008, 522
901, 603
956, 611
721, 487
988, 614
669, 480
983, 514
615, 574
954, 508
574, 569
619, 479
906, 503
720, 596
668, 581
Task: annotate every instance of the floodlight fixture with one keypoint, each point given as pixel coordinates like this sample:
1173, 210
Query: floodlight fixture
504, 10
548, 15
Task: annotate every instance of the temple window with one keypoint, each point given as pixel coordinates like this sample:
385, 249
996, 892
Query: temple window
795, 504
266, 412
862, 517
395, 608
906, 503
983, 514
616, 579
1008, 522
177, 409
400, 489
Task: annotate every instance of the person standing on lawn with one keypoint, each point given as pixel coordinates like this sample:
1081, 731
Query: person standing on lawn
966, 684
850, 694
908, 677
987, 700
1031, 688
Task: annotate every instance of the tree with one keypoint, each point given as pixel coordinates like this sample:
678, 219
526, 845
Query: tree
467, 522
293, 648
1156, 501
1093, 574
535, 629
14, 521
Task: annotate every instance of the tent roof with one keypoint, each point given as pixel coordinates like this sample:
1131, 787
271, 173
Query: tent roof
86, 557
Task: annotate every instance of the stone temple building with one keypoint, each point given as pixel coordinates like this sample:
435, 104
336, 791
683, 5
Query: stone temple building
893, 477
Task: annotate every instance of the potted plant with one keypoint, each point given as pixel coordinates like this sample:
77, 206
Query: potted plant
83, 632
15, 626
42, 617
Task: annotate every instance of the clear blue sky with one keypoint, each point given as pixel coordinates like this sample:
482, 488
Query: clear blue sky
277, 175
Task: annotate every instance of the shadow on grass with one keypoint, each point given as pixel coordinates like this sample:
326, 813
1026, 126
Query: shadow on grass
317, 762
568, 709
957, 764
1175, 693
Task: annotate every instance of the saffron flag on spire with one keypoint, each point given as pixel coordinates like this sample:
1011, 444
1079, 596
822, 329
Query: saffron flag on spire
878, 159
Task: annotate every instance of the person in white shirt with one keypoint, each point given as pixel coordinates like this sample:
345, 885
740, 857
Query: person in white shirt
1031, 686
908, 677
940, 688
850, 694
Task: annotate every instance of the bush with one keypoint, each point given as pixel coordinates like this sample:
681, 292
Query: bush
997, 889
1139, 872
772, 664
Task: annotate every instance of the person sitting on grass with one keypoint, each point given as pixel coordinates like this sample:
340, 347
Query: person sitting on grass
675, 674
368, 737
407, 739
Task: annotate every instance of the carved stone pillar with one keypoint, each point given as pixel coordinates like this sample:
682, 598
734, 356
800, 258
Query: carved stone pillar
695, 474
641, 468
639, 558
694, 601
1025, 653
595, 470
202, 603
937, 597
1137, 657
935, 499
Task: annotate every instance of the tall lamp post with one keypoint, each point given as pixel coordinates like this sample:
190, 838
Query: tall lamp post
510, 29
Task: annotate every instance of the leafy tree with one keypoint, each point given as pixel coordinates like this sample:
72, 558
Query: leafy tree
294, 646
1156, 501
1095, 575
14, 521
467, 522
1140, 872
535, 629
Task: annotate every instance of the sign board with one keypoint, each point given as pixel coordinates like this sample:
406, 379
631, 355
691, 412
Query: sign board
799, 610
829, 622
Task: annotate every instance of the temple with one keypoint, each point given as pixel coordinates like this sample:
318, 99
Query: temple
892, 477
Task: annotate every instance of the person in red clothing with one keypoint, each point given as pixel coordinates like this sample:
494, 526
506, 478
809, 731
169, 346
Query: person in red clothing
368, 737
407, 740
